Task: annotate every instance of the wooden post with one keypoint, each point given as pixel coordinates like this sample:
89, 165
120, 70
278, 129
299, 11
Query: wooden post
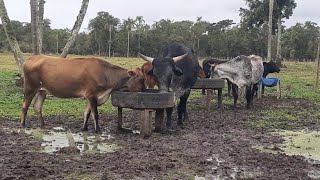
119, 118
209, 93
145, 123
219, 98
159, 120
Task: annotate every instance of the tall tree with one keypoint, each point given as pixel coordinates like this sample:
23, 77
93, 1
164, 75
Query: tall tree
270, 29
6, 24
75, 28
37, 11
257, 13
139, 23
128, 24
41, 24
284, 10
103, 27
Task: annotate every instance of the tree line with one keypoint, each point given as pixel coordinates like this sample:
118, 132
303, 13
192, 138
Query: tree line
110, 36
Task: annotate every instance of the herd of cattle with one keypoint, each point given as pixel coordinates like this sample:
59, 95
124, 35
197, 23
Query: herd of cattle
95, 79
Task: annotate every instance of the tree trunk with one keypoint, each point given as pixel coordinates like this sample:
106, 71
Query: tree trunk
34, 6
110, 29
40, 25
128, 49
10, 36
270, 29
318, 62
139, 40
279, 57
75, 28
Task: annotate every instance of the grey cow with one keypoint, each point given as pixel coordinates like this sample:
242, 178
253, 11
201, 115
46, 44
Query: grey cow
243, 72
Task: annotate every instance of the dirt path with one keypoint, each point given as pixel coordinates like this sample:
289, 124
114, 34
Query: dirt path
212, 144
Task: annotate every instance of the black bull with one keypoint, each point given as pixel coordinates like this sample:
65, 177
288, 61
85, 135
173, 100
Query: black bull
176, 70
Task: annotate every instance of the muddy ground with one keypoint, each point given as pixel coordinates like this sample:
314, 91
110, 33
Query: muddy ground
215, 144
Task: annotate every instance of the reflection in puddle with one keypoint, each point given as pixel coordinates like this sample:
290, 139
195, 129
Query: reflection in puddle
52, 141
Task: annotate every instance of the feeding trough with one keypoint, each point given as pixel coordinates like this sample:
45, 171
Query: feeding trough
209, 85
147, 102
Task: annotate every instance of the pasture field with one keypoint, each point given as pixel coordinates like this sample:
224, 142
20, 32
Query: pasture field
222, 143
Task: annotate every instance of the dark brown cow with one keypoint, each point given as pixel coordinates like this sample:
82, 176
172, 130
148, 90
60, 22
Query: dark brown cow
201, 74
91, 78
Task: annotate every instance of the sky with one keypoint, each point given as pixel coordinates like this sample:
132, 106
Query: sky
63, 13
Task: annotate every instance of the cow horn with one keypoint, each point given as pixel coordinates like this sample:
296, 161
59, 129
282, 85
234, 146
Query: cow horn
178, 58
146, 58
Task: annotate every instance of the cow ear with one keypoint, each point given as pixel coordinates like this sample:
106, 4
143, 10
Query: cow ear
132, 73
177, 71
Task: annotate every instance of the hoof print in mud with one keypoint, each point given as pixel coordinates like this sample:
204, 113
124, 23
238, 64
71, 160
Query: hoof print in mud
147, 102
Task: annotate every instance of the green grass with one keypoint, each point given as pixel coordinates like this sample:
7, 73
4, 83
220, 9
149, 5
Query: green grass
297, 79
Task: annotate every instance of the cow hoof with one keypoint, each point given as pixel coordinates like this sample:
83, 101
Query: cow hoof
84, 129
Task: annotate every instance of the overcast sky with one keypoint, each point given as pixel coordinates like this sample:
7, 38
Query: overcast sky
62, 13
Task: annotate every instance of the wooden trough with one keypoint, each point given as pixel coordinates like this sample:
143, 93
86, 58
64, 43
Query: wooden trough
147, 102
209, 85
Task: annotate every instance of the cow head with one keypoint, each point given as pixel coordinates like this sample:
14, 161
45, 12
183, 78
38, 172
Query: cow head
271, 67
164, 69
135, 83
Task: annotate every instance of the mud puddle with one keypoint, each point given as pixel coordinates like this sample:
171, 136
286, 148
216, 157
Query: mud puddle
59, 139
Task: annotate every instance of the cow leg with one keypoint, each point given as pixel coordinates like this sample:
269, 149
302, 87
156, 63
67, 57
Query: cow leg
249, 95
169, 116
235, 94
28, 96
38, 103
182, 108
229, 88
94, 109
87, 113
101, 100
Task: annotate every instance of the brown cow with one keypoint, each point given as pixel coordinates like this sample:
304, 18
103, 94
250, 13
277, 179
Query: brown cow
201, 73
151, 81
91, 78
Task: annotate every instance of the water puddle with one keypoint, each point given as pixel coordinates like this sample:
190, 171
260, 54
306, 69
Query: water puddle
55, 140
303, 143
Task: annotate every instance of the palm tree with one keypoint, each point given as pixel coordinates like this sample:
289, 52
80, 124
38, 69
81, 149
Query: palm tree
139, 23
76, 28
128, 24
